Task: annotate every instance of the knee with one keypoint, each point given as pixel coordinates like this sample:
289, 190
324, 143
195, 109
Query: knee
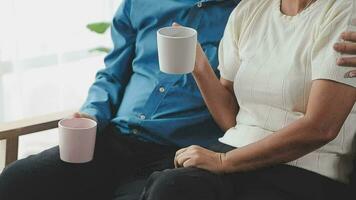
22, 172
170, 184
10, 173
11, 180
163, 185
19, 177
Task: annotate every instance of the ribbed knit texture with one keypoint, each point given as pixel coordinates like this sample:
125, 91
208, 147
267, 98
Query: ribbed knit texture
273, 59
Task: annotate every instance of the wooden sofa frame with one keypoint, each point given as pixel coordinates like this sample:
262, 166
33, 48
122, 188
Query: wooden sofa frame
10, 133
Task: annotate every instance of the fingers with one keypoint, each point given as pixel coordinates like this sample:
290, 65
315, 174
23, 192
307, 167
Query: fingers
346, 48
182, 159
351, 74
176, 24
83, 115
347, 61
76, 115
189, 163
176, 165
349, 36
180, 151
183, 155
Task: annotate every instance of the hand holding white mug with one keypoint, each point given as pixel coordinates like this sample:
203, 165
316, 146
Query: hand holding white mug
200, 58
176, 49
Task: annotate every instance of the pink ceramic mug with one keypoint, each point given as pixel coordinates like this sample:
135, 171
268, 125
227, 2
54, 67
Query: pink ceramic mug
77, 139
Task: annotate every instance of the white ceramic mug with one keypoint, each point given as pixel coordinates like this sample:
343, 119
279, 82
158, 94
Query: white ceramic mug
176, 49
77, 139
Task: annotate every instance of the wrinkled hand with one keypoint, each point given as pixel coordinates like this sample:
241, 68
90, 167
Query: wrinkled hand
84, 115
196, 156
347, 47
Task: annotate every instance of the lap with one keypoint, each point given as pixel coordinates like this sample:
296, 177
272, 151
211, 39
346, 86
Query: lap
131, 186
265, 194
130, 190
298, 183
186, 183
280, 182
45, 176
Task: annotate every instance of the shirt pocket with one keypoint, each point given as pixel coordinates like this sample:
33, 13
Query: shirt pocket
182, 99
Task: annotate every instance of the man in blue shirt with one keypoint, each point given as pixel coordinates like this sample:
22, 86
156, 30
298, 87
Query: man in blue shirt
132, 94
144, 115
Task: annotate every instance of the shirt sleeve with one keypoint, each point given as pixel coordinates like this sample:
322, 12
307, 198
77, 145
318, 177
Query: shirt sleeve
229, 59
106, 93
324, 57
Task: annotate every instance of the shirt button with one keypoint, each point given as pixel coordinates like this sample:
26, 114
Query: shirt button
161, 89
200, 4
142, 117
135, 131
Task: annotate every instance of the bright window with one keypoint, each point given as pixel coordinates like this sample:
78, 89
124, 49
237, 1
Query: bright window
45, 63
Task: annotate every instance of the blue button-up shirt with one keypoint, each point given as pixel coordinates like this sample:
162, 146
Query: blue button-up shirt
133, 95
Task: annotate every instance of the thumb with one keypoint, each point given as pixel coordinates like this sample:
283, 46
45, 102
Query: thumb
176, 24
76, 115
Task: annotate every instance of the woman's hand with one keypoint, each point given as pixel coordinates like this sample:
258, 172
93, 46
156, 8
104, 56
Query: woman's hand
201, 61
196, 156
348, 47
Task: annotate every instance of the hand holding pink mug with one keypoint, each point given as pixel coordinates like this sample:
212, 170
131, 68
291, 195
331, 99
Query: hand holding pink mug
77, 139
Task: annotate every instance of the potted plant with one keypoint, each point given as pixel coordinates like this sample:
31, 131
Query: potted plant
99, 28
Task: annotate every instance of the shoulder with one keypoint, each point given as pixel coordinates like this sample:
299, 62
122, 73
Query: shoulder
249, 8
337, 6
248, 4
338, 11
245, 12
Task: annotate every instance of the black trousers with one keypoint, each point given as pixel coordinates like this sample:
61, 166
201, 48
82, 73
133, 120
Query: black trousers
280, 182
118, 171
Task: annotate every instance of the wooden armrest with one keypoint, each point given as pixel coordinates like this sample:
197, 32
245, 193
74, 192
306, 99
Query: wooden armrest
33, 125
10, 132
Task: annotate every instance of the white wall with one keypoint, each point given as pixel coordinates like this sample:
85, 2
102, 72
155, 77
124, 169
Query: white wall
45, 65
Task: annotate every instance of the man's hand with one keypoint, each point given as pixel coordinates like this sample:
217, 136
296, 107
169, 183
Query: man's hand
347, 47
84, 115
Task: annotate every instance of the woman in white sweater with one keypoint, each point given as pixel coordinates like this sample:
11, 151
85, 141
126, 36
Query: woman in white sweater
287, 109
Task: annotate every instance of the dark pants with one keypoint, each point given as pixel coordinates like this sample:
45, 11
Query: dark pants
280, 182
118, 171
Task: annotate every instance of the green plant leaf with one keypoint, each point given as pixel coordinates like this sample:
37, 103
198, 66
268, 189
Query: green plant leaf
100, 49
99, 27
